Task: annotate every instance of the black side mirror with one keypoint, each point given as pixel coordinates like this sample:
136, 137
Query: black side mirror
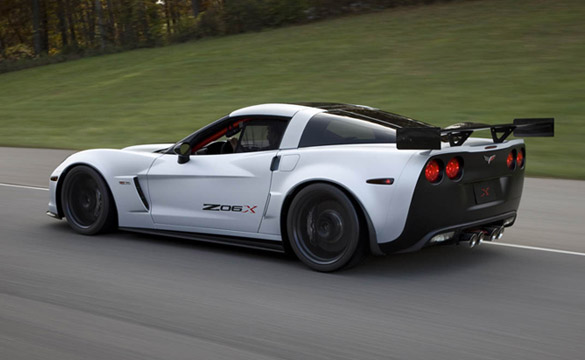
184, 152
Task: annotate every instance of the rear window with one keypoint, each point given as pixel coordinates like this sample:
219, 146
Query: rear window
328, 129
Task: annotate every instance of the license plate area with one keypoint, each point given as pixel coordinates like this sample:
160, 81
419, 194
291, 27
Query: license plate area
486, 191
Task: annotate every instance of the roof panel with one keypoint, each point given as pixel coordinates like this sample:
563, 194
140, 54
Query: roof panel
287, 110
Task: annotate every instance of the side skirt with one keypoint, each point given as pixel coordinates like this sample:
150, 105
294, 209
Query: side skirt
215, 239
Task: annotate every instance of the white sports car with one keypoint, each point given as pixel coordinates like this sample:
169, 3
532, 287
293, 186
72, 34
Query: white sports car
329, 182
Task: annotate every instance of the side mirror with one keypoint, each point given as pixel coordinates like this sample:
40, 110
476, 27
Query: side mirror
184, 152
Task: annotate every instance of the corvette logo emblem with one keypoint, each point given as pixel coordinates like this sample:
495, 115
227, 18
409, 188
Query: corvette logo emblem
489, 159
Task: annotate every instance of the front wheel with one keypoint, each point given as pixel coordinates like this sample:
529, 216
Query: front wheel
86, 201
324, 228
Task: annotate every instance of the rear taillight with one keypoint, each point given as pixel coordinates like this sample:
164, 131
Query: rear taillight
454, 168
433, 171
510, 161
520, 158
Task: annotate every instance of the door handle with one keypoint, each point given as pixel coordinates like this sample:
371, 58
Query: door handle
274, 164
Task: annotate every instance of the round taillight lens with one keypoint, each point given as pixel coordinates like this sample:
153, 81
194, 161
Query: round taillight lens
433, 171
454, 168
520, 158
510, 160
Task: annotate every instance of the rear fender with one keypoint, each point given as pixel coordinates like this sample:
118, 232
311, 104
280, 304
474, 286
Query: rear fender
348, 168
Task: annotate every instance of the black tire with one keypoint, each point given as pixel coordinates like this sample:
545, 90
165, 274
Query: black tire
87, 202
323, 228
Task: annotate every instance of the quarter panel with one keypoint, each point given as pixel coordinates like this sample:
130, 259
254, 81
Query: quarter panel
348, 166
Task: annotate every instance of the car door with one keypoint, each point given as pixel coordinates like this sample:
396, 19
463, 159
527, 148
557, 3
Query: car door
212, 192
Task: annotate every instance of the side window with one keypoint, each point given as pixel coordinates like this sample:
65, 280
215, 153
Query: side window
261, 135
242, 135
351, 130
327, 129
219, 139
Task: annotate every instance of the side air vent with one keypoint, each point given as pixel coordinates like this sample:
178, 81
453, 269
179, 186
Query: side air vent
141, 193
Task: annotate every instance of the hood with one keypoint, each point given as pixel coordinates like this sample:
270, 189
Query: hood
148, 147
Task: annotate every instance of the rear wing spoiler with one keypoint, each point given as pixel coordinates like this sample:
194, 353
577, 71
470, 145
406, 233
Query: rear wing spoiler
430, 138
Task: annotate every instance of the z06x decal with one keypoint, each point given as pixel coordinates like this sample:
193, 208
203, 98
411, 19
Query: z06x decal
235, 208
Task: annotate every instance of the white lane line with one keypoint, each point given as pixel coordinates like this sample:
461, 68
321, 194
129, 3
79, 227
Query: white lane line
536, 248
24, 187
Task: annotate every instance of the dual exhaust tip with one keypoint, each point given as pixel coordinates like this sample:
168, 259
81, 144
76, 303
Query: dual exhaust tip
476, 237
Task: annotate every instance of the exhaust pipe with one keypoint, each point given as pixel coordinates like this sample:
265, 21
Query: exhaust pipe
476, 237
501, 232
494, 233
473, 238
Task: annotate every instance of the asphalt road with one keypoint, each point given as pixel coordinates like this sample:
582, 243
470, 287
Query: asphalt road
127, 296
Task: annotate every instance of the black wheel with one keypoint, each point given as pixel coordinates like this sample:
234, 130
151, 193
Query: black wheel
323, 228
86, 201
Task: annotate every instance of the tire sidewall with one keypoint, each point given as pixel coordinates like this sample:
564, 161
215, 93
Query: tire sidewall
299, 201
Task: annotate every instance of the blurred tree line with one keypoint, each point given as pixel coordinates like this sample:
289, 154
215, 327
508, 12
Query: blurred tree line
36, 32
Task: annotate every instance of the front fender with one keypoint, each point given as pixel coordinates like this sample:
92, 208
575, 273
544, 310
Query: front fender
118, 168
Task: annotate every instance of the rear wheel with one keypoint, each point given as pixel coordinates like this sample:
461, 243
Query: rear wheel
324, 229
86, 201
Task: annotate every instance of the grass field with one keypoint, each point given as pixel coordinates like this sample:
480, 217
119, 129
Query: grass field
484, 61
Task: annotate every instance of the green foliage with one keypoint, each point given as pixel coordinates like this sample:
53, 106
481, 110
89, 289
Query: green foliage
319, 9
184, 30
283, 12
238, 16
253, 15
155, 25
243, 15
210, 23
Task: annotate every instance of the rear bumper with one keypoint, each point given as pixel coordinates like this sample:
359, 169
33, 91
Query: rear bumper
457, 206
456, 229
